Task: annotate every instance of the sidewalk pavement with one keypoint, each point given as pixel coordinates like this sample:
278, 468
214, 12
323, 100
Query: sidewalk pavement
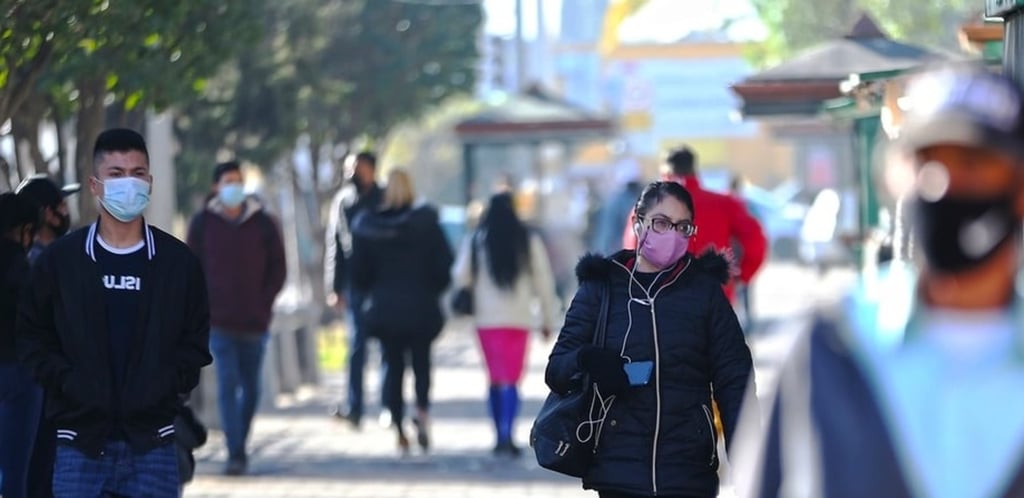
297, 450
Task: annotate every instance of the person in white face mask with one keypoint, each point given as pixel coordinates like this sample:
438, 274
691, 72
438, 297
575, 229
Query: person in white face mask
241, 249
115, 327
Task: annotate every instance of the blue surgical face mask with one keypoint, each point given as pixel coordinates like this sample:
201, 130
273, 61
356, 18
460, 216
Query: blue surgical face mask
125, 198
232, 194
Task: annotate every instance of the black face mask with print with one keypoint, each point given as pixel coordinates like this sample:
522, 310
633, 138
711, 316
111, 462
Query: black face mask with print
957, 234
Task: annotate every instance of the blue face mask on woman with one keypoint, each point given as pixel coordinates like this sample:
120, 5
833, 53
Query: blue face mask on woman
125, 198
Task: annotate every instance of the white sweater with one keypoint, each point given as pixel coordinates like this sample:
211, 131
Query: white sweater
530, 304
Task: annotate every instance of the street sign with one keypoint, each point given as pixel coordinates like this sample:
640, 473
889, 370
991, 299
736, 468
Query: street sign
999, 8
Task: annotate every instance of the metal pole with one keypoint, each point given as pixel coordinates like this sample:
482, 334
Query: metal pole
1013, 43
160, 142
541, 52
520, 48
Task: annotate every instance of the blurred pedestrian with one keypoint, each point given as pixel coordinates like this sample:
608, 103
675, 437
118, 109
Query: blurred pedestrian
673, 345
908, 386
115, 326
401, 264
507, 268
21, 399
608, 233
55, 221
743, 287
722, 219
242, 252
52, 202
360, 194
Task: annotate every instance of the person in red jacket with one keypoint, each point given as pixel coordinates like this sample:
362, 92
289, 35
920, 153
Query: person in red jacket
720, 220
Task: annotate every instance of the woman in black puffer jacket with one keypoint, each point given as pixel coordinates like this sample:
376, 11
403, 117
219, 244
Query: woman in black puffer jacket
401, 264
666, 307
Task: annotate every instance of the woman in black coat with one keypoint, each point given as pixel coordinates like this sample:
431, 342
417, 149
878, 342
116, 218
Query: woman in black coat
401, 263
667, 312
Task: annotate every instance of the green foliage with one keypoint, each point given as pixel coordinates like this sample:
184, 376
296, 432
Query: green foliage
334, 71
795, 25
151, 52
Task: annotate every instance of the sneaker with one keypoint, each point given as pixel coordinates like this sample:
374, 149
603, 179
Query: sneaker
384, 419
507, 449
353, 418
422, 432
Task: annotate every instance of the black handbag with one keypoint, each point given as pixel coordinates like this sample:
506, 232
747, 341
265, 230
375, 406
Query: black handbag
462, 301
556, 434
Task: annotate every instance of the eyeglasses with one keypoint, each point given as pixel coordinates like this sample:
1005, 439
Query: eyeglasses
661, 225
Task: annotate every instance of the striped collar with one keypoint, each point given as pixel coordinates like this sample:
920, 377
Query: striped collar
90, 240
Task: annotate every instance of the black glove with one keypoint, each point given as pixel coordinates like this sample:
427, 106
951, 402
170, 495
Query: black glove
605, 369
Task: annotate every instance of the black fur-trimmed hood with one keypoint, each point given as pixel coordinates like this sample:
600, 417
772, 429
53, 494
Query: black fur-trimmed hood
720, 265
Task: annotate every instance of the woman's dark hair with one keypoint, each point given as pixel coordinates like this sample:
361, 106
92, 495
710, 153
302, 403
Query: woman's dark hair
17, 211
506, 239
654, 193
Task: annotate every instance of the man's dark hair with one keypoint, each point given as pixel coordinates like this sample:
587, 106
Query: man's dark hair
683, 161
119, 140
369, 157
225, 168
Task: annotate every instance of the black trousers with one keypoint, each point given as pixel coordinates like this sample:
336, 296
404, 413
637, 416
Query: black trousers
397, 354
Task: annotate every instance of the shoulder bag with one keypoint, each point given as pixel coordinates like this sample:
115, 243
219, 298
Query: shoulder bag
557, 435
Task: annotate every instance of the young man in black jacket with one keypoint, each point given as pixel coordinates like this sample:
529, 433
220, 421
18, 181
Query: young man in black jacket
115, 327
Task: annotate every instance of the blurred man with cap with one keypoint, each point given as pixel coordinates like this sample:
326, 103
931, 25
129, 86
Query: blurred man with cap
53, 207
54, 222
909, 386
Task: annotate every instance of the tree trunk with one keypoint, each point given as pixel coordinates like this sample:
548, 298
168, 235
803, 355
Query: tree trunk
88, 125
25, 128
312, 267
21, 167
19, 89
62, 147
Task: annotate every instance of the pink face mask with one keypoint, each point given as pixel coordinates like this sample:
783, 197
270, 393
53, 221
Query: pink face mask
663, 249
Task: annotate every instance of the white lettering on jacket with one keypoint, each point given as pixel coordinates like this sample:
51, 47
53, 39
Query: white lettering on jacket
122, 282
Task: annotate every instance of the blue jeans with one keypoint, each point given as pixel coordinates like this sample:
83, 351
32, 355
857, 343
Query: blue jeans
118, 471
357, 340
21, 404
239, 361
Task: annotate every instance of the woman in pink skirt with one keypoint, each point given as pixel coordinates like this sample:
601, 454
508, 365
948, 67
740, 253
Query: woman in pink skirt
508, 269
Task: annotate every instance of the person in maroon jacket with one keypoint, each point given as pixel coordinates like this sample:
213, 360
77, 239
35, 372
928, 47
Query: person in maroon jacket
722, 219
240, 247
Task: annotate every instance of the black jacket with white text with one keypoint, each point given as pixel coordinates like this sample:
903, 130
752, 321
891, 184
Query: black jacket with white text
62, 338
